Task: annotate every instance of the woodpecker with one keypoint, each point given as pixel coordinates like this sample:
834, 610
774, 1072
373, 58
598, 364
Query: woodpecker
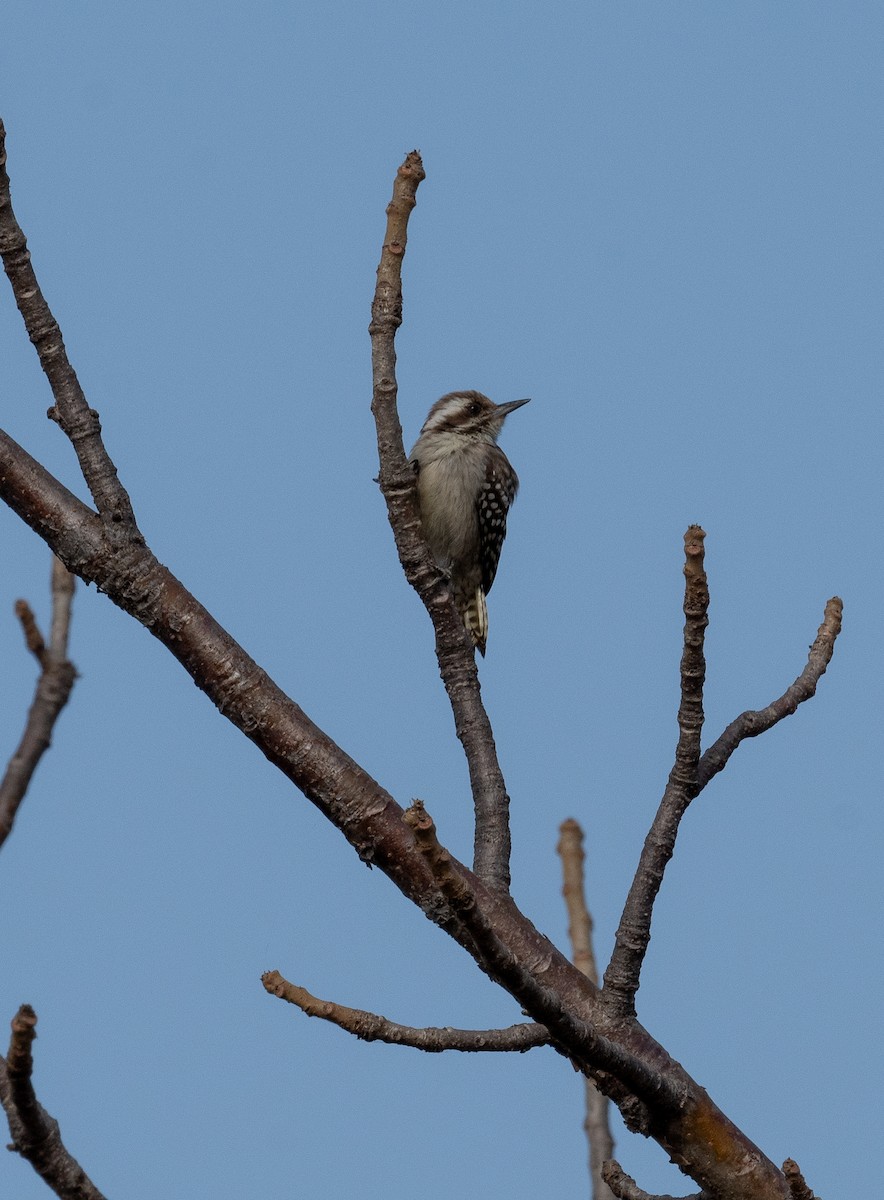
465, 486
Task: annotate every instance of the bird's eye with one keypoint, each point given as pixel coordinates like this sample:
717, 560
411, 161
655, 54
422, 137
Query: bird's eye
474, 409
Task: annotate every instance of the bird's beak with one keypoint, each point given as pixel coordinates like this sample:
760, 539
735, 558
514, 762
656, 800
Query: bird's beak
511, 406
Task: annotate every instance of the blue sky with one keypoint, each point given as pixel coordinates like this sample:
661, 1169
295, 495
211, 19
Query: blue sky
660, 221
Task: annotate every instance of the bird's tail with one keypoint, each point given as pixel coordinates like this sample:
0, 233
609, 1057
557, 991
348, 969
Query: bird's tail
475, 617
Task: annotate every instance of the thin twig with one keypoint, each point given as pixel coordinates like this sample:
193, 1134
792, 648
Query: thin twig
454, 649
750, 724
62, 586
33, 637
624, 1186
597, 1124
580, 925
634, 932
35, 1134
73, 414
57, 677
373, 1028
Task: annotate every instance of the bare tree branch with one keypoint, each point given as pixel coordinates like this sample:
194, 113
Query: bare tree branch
751, 724
597, 1124
454, 649
517, 956
634, 933
624, 1187
511, 969
73, 414
54, 686
798, 1189
373, 1028
580, 924
689, 776
614, 1049
35, 1134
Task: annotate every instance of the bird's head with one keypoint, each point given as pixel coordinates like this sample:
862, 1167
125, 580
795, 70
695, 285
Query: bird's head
469, 415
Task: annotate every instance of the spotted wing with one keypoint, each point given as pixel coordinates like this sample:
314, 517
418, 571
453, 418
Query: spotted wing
493, 504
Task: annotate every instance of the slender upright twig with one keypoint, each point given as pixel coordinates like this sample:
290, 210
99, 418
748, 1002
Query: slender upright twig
650, 1086
454, 649
634, 933
73, 414
57, 676
35, 1134
597, 1123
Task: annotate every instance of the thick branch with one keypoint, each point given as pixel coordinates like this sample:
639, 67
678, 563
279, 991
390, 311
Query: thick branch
750, 724
521, 977
73, 414
373, 1028
454, 650
35, 1134
57, 676
634, 933
597, 1124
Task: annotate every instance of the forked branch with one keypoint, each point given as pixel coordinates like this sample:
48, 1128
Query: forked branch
57, 676
692, 772
648, 1084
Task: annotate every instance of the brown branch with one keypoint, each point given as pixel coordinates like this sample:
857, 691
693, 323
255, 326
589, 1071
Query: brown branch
54, 686
681, 1116
750, 724
73, 414
585, 1043
373, 1028
570, 849
624, 1186
634, 932
35, 1134
454, 649
597, 1125
798, 1189
698, 1135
